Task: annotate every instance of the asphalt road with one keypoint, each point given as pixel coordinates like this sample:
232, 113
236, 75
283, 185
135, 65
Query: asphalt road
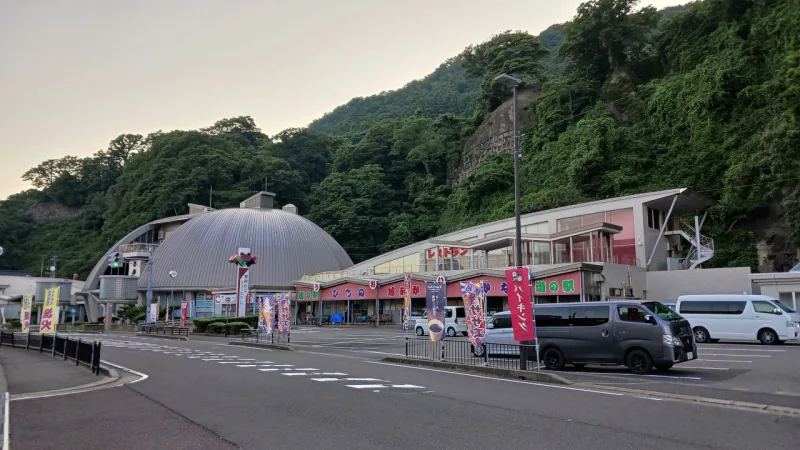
257, 398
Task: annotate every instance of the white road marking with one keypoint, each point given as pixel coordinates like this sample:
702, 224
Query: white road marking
338, 374
739, 355
705, 368
268, 370
227, 362
325, 379
738, 349
284, 365
607, 374
292, 374
307, 369
365, 379
245, 365
651, 398
141, 375
365, 386
724, 360
213, 359
407, 386
503, 380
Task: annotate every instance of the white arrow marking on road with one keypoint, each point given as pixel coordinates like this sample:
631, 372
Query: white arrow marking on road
366, 386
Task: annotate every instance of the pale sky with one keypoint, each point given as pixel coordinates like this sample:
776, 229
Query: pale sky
75, 74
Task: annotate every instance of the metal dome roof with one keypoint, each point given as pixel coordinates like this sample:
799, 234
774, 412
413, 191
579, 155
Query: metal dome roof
287, 246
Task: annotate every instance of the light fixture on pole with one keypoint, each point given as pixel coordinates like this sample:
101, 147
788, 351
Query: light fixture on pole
173, 274
513, 82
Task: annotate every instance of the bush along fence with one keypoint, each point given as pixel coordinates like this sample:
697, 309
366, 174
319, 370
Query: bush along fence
505, 356
262, 337
82, 352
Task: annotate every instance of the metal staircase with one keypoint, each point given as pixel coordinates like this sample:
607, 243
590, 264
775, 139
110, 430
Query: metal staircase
700, 252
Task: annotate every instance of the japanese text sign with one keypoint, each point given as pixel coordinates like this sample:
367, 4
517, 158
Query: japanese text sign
435, 303
25, 312
473, 296
49, 312
406, 301
184, 312
520, 304
266, 307
565, 284
284, 313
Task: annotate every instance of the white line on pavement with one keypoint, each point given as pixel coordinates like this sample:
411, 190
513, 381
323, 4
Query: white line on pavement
609, 374
338, 374
245, 365
141, 375
616, 394
407, 386
739, 355
705, 368
293, 374
739, 349
365, 379
213, 359
325, 379
724, 360
365, 386
227, 362
651, 398
268, 370
307, 369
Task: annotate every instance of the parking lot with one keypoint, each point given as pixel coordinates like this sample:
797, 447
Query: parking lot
743, 371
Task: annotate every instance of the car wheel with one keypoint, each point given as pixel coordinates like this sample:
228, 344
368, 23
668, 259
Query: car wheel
420, 331
639, 362
451, 332
578, 365
478, 351
768, 337
465, 333
663, 367
701, 335
553, 359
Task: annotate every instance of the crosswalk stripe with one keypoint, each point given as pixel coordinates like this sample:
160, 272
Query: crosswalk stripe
268, 370
245, 365
366, 386
293, 374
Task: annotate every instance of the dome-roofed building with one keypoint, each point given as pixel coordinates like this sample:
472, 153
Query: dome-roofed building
197, 248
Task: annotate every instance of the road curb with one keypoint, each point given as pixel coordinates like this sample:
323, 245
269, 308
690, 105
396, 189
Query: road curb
784, 410
262, 345
515, 374
3, 381
110, 376
174, 338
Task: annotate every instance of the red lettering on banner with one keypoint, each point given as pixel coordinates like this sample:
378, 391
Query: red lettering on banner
391, 291
48, 313
402, 292
27, 315
414, 290
47, 325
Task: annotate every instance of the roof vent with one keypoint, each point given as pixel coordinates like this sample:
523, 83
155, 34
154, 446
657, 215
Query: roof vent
290, 208
198, 209
262, 200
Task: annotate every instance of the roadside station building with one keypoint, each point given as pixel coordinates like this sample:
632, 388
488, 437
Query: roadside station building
601, 250
197, 247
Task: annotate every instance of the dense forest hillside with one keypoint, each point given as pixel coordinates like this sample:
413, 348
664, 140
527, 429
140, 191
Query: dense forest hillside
627, 99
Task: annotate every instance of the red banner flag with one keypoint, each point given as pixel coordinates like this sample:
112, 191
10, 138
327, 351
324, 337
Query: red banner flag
520, 303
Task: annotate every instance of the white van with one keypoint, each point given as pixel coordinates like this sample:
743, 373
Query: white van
455, 321
746, 317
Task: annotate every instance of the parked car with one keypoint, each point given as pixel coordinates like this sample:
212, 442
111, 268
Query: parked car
639, 335
747, 317
455, 321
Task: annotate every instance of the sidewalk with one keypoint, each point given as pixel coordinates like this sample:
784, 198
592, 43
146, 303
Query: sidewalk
29, 371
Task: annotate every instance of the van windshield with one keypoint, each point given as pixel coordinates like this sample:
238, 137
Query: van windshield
783, 306
662, 310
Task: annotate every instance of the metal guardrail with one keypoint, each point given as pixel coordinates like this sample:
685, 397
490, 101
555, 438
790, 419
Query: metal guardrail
165, 331
504, 356
261, 336
80, 351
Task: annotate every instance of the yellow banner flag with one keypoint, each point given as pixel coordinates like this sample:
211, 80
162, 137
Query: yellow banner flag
49, 312
25, 313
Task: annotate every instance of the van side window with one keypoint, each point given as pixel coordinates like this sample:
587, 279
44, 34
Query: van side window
502, 322
552, 317
448, 313
764, 307
588, 316
631, 314
460, 313
731, 307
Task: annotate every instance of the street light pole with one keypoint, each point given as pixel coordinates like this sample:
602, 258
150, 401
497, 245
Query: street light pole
513, 83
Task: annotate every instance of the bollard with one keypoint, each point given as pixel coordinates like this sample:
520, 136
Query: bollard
77, 353
53, 347
12, 339
91, 359
485, 354
41, 339
65, 348
406, 346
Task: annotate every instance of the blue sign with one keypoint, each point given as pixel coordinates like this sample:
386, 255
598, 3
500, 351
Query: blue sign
486, 287
347, 293
335, 293
361, 292
504, 287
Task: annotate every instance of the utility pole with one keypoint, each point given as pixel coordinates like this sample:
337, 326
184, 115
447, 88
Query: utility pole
53, 267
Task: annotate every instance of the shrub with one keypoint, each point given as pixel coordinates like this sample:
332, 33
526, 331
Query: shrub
12, 322
216, 327
139, 317
236, 327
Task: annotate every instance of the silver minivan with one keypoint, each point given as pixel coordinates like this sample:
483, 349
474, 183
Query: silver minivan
639, 335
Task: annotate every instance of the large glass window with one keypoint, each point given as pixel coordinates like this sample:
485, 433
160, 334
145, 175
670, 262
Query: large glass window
631, 314
588, 316
541, 253
569, 223
552, 317
537, 228
764, 307
623, 243
501, 322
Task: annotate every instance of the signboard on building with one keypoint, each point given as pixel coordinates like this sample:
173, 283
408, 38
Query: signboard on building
520, 304
153, 313
564, 284
446, 252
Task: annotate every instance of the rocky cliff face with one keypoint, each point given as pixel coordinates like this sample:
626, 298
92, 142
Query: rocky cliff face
49, 211
495, 135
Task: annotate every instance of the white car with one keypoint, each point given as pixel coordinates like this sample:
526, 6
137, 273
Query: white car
455, 321
746, 317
